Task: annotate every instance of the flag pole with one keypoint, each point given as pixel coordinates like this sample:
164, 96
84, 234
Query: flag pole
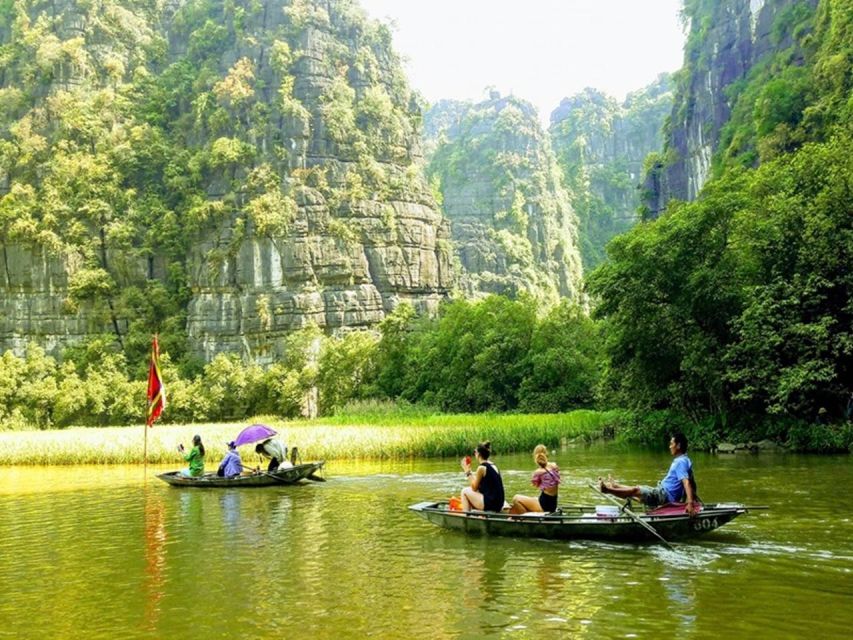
145, 448
156, 395
147, 415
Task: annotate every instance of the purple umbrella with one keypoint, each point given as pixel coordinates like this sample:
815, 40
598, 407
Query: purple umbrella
255, 433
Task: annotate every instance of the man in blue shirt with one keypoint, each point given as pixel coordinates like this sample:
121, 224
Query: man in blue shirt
675, 486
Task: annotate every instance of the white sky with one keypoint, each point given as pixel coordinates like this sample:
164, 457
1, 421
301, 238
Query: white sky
539, 50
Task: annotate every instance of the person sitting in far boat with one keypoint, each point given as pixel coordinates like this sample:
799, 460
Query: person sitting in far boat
678, 485
273, 449
231, 465
195, 457
547, 478
486, 492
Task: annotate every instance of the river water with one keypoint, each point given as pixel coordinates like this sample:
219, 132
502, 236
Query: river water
104, 552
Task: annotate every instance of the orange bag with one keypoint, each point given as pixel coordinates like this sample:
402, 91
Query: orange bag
454, 504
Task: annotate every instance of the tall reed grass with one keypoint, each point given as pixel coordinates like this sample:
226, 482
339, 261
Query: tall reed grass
367, 435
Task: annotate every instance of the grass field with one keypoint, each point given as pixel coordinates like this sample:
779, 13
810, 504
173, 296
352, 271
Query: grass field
360, 435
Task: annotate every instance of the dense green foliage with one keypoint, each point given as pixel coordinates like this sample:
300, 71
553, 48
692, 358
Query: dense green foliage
92, 386
740, 304
492, 355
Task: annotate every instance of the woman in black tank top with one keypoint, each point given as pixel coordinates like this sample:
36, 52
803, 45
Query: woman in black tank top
486, 492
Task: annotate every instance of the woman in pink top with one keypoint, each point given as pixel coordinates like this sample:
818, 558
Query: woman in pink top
547, 478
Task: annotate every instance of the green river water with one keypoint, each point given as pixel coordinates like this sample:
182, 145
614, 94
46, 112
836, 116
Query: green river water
104, 552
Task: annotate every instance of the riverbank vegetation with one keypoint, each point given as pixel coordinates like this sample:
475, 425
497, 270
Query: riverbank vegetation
497, 358
496, 355
382, 432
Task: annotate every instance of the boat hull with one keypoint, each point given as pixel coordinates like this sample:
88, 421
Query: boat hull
289, 475
581, 523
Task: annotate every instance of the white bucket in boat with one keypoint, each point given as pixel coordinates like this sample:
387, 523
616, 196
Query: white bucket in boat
607, 511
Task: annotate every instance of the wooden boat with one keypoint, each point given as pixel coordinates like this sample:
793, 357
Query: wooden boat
582, 522
282, 475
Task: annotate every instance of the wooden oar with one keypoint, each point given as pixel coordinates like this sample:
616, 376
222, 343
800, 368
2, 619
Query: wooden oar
633, 515
274, 477
310, 476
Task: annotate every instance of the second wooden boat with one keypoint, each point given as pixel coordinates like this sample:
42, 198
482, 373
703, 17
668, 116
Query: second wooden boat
282, 475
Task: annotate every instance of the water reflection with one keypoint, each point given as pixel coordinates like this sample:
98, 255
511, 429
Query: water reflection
345, 559
678, 586
155, 556
230, 505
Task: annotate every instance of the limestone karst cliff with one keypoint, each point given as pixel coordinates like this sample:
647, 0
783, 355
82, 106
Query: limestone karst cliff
512, 225
226, 172
601, 146
731, 44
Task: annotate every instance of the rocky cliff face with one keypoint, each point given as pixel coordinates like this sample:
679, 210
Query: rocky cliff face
365, 233
601, 146
512, 225
261, 162
727, 41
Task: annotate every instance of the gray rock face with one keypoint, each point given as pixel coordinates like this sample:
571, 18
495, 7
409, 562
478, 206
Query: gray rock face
345, 261
310, 91
726, 40
512, 225
601, 145
272, 287
34, 305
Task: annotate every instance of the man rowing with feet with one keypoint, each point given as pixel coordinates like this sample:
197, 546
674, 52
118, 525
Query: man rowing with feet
677, 483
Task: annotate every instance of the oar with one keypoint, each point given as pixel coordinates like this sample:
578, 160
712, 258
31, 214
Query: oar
310, 476
633, 515
266, 473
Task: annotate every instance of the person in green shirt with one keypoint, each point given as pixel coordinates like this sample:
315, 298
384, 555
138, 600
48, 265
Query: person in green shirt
195, 457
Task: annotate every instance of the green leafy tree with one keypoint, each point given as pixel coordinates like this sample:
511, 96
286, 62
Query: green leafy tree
344, 366
565, 362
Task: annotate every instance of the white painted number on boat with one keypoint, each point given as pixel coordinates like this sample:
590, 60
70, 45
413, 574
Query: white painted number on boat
705, 524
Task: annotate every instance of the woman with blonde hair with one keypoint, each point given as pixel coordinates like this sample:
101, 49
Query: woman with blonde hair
547, 478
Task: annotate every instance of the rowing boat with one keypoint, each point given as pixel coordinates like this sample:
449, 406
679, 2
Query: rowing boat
582, 522
282, 475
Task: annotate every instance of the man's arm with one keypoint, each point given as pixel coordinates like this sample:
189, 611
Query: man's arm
690, 509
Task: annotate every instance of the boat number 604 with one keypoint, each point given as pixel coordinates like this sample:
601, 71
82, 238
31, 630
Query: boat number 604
700, 525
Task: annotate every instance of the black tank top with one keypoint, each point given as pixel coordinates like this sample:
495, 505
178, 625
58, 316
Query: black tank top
492, 488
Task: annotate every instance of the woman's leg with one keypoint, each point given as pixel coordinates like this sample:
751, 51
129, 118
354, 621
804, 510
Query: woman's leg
523, 504
471, 499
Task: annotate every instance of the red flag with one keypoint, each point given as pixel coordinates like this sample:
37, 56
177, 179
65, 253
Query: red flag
156, 390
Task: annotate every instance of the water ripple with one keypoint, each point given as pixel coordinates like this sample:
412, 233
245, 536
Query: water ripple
346, 559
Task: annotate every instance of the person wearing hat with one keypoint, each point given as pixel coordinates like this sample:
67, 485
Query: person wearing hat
231, 465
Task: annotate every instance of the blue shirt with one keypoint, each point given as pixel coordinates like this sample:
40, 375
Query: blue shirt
231, 465
678, 471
